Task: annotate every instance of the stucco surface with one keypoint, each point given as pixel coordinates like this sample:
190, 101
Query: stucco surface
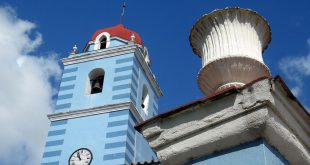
260, 110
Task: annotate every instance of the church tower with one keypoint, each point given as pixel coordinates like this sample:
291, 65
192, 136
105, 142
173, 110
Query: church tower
104, 92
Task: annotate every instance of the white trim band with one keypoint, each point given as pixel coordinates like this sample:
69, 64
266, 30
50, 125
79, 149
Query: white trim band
96, 111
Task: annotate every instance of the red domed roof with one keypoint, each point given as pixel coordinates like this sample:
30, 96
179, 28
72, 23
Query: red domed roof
119, 31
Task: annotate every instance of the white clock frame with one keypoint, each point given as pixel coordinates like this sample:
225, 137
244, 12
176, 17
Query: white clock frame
71, 156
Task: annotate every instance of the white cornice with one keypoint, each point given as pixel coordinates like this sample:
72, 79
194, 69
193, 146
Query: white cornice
116, 51
96, 111
260, 110
99, 54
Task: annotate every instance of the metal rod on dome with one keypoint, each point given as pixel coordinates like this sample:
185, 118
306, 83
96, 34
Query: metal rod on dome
123, 13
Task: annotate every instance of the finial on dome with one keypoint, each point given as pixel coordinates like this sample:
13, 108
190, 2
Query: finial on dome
74, 50
133, 38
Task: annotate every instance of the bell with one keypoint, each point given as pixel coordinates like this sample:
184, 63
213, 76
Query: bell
96, 88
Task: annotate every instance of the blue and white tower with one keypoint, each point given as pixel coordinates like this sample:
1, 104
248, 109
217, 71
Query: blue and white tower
104, 92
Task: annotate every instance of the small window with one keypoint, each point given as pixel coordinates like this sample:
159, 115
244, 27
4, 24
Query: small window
96, 78
103, 43
145, 99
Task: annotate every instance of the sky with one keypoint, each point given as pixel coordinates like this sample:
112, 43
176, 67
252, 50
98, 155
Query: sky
35, 35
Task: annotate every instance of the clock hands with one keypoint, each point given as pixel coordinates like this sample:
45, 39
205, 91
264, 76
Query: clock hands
79, 156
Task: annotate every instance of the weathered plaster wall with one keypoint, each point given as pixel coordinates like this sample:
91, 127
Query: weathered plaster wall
258, 110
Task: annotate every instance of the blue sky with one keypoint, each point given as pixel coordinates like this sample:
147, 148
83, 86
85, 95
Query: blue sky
164, 27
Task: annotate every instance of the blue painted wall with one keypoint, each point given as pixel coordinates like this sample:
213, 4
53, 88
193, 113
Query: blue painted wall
111, 137
258, 152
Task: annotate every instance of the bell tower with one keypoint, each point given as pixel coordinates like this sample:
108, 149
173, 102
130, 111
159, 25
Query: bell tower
105, 90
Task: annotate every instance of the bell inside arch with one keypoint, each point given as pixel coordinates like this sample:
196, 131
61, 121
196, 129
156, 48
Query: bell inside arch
96, 85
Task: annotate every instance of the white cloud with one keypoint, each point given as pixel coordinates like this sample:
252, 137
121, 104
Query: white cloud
297, 90
296, 68
25, 90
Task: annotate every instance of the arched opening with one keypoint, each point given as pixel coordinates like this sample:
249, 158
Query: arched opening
145, 99
103, 42
96, 78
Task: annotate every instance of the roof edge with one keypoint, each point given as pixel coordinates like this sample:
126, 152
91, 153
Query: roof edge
290, 94
212, 97
221, 94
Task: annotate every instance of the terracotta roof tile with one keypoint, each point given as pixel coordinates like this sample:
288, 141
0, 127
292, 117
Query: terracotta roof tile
119, 31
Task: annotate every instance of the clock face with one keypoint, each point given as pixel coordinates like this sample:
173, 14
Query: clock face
82, 156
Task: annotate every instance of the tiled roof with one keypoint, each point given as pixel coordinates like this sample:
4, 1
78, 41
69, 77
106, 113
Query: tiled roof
119, 31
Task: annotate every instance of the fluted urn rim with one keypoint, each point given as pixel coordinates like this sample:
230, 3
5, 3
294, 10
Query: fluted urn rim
212, 87
217, 11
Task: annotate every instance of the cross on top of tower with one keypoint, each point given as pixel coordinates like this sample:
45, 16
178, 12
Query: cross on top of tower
123, 12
